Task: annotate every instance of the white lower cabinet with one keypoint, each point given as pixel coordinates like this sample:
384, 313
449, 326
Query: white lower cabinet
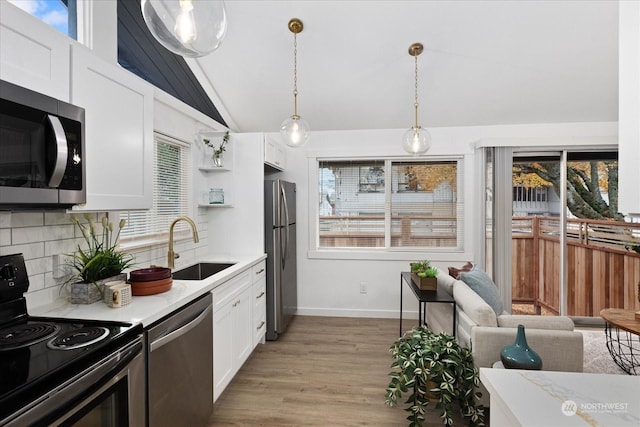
232, 329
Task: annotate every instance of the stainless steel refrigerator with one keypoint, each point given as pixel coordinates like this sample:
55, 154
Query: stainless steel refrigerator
280, 242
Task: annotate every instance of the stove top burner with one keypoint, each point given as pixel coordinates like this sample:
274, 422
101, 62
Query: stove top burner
24, 335
77, 338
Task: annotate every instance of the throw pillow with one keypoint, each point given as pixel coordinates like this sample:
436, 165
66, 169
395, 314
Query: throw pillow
482, 284
455, 272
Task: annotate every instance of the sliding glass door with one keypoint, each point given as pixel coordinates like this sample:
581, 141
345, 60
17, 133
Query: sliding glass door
571, 252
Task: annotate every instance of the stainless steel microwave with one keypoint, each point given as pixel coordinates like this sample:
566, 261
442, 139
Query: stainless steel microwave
41, 150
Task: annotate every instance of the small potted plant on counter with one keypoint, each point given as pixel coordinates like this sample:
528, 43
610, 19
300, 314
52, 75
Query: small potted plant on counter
424, 275
100, 262
434, 369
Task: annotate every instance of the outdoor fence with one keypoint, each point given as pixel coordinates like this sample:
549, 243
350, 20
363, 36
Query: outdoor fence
603, 271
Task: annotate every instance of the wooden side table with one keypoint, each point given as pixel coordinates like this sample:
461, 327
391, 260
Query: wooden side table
622, 331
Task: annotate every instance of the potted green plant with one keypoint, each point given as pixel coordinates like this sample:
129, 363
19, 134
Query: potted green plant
98, 263
217, 151
434, 367
424, 275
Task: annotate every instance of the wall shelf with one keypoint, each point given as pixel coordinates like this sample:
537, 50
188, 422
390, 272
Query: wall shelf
215, 205
213, 169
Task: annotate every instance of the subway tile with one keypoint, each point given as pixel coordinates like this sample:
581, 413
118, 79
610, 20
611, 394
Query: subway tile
27, 219
5, 219
36, 282
27, 235
62, 246
57, 218
29, 250
38, 265
5, 237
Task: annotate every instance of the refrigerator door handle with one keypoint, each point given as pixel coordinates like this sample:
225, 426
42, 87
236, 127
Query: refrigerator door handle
285, 252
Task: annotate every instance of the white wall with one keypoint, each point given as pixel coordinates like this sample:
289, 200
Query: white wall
329, 283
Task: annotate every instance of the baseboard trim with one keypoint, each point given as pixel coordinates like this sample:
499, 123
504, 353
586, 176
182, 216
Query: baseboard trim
349, 312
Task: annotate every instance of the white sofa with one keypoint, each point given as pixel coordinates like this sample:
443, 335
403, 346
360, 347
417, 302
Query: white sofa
486, 333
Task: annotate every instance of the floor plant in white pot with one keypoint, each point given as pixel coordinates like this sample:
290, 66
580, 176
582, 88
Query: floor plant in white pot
434, 370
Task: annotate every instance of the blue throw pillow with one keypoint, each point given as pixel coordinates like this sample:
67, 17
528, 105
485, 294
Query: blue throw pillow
482, 285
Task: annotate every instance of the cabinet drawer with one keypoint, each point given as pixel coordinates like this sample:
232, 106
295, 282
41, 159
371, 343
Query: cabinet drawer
230, 289
258, 271
259, 293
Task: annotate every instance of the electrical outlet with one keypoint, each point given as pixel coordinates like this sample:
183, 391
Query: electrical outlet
363, 288
61, 266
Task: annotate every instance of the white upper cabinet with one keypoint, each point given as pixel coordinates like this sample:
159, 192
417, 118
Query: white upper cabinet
629, 108
274, 153
33, 54
118, 135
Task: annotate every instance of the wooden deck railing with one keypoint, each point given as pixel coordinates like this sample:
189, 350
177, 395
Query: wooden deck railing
602, 270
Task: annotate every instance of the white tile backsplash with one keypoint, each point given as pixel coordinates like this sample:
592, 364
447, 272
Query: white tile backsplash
39, 235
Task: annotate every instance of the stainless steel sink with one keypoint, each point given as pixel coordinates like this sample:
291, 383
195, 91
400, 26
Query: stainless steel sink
200, 271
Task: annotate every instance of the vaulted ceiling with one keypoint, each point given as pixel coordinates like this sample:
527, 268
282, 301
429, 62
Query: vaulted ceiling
484, 63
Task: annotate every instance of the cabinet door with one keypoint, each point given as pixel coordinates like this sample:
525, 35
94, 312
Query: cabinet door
33, 54
118, 134
242, 328
274, 153
222, 355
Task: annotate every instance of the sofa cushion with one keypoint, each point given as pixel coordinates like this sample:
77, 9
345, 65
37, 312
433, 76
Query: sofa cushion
482, 284
445, 282
471, 305
455, 272
558, 323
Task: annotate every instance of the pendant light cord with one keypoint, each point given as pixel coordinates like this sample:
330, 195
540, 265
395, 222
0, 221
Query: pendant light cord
415, 56
295, 75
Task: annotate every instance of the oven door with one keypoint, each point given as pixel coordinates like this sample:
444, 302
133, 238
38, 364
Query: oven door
110, 393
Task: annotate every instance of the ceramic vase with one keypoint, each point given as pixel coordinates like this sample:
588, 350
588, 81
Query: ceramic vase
519, 355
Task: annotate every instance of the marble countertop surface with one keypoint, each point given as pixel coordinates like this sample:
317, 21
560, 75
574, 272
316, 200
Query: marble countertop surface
150, 308
548, 398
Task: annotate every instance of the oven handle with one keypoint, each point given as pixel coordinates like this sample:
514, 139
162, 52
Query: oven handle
62, 152
179, 332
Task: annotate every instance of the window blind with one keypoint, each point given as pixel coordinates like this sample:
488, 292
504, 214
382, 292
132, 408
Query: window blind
171, 193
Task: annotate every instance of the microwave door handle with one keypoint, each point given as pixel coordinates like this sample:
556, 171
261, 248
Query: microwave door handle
62, 152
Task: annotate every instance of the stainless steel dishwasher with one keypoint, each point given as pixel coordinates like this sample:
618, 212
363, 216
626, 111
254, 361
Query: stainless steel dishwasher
180, 367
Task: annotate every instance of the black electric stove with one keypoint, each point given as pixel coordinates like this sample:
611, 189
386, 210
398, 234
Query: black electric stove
38, 354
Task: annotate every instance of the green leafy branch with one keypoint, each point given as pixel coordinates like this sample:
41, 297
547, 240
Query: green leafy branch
217, 151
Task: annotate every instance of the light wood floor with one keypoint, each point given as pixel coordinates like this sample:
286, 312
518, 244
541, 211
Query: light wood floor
324, 371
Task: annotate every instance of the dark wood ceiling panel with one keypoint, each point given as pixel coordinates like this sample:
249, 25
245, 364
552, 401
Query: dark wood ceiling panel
141, 54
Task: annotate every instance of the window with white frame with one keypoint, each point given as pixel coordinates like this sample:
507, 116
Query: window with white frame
389, 204
171, 194
60, 14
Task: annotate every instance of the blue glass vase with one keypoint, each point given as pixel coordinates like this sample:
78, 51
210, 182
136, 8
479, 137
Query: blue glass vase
519, 355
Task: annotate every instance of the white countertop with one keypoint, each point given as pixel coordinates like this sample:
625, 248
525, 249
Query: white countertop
548, 398
150, 308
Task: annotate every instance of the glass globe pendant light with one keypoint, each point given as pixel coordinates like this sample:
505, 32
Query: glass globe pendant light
190, 28
416, 140
295, 130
